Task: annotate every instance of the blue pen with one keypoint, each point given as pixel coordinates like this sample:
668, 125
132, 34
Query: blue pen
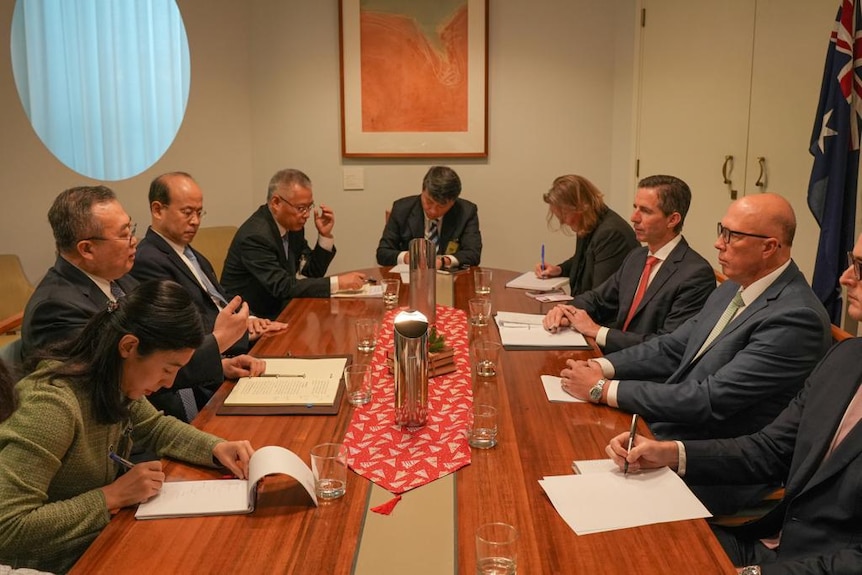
124, 462
543, 260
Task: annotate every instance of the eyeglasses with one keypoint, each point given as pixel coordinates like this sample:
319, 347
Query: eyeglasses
856, 264
303, 210
726, 234
189, 212
133, 227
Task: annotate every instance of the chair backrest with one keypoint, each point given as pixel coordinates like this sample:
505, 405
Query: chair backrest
213, 242
14, 286
839, 334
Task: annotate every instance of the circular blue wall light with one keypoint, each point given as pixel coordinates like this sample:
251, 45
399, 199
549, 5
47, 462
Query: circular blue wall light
104, 83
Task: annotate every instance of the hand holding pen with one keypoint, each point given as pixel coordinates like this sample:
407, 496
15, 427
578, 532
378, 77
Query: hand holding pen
631, 441
139, 483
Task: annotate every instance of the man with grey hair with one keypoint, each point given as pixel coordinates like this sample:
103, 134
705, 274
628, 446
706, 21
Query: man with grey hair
269, 261
439, 215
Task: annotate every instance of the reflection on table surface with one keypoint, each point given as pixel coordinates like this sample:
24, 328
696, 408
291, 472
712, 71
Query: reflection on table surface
536, 438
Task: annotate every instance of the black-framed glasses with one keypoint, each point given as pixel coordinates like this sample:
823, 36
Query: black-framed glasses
726, 234
133, 227
856, 264
301, 209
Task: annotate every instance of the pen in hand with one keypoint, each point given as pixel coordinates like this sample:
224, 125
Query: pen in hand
543, 260
117, 459
631, 442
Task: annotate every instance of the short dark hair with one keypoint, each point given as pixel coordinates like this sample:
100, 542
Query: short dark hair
8, 399
286, 179
159, 189
71, 215
442, 184
160, 313
674, 195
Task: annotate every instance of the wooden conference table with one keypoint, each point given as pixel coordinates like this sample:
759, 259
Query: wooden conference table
287, 534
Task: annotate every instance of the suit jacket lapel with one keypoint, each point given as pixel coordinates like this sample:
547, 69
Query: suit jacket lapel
275, 236
665, 272
172, 255
629, 283
88, 288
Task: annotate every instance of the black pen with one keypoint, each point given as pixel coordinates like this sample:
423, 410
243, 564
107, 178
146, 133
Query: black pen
124, 462
631, 441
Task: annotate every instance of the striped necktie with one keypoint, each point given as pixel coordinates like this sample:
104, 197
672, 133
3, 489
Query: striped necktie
203, 279
432, 234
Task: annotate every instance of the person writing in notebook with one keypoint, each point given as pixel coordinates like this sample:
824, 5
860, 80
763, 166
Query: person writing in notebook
813, 447
59, 481
439, 215
657, 287
604, 238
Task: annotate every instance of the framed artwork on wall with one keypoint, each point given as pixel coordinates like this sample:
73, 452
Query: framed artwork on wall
414, 78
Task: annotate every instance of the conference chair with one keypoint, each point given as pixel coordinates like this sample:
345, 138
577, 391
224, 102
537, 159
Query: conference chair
16, 290
213, 242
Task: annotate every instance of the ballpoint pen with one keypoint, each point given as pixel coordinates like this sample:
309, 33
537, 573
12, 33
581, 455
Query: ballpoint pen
124, 462
543, 260
631, 441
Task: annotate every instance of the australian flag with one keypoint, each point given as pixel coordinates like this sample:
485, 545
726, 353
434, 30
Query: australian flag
835, 147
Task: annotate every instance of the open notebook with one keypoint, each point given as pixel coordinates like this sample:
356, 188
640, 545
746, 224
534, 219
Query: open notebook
290, 385
521, 331
227, 496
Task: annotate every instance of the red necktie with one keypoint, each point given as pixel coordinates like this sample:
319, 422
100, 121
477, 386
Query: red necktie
639, 295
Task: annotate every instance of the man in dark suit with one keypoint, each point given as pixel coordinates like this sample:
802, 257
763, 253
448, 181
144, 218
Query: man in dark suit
96, 248
658, 286
176, 207
733, 367
437, 214
814, 447
269, 261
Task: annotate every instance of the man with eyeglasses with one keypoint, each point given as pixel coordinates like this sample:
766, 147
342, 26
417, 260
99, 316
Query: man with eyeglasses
813, 447
96, 247
733, 367
269, 261
439, 215
95, 240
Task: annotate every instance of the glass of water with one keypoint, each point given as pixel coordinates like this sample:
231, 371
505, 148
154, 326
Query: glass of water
496, 549
329, 466
483, 431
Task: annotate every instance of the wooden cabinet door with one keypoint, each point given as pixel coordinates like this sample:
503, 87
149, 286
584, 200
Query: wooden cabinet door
790, 42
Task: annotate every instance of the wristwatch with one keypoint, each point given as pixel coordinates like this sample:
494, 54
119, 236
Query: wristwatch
750, 570
596, 391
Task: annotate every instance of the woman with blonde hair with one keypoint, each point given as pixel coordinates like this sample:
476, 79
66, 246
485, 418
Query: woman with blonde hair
604, 238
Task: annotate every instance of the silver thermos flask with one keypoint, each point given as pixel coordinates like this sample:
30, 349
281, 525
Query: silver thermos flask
411, 368
423, 278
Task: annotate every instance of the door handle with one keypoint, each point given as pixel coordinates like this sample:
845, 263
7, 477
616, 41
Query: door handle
726, 170
761, 179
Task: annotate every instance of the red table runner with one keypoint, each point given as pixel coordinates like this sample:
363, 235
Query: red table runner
399, 459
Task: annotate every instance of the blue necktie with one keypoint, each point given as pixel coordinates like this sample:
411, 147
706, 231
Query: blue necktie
116, 291
432, 235
205, 281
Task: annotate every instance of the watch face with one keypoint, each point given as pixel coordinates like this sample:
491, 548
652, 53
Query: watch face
596, 392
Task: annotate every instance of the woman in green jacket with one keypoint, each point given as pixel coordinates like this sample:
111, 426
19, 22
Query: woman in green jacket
79, 414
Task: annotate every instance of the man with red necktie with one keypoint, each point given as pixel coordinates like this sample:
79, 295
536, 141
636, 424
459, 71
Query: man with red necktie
658, 286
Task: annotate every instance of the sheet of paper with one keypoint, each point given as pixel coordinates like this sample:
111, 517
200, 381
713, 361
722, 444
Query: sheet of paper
555, 392
291, 381
593, 466
549, 297
400, 269
368, 290
525, 331
227, 496
609, 500
529, 281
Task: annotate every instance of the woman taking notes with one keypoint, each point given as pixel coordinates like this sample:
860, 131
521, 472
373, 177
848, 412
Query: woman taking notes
58, 480
604, 238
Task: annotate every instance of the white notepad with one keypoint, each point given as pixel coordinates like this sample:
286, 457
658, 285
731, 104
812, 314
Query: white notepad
227, 496
601, 498
529, 281
367, 290
525, 331
291, 381
554, 390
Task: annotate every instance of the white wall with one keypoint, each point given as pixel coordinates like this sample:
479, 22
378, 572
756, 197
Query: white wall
265, 95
